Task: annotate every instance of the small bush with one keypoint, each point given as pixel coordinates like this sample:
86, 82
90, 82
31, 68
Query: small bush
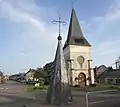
112, 86
93, 85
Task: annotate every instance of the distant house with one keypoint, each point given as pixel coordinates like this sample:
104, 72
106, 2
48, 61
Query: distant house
29, 76
99, 71
110, 76
6, 77
15, 77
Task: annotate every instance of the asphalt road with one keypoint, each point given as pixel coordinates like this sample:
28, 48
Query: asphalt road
12, 95
11, 87
104, 99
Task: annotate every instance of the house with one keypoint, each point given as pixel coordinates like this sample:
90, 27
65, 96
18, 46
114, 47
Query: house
98, 71
29, 76
15, 77
6, 77
109, 76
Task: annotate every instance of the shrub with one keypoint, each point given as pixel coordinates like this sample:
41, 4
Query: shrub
93, 85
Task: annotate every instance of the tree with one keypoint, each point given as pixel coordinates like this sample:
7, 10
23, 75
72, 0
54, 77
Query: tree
1, 73
39, 72
44, 73
48, 68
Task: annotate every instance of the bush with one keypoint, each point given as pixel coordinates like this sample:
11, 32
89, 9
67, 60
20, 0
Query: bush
112, 86
93, 85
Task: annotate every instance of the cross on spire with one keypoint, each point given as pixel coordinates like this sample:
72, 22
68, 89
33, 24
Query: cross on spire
59, 21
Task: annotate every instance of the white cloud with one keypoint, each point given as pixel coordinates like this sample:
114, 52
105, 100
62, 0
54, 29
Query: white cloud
106, 46
106, 53
17, 15
36, 43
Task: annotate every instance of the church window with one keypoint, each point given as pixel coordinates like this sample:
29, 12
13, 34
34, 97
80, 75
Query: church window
81, 60
79, 41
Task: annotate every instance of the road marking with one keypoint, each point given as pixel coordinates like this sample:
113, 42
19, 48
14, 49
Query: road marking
3, 88
104, 101
96, 102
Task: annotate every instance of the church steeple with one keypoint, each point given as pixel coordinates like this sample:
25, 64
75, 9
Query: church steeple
75, 35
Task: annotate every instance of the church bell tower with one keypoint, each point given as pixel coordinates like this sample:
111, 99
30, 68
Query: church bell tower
77, 52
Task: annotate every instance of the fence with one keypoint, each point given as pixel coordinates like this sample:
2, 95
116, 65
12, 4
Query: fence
88, 93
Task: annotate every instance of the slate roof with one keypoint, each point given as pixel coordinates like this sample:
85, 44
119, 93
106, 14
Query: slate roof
115, 73
30, 70
75, 35
101, 69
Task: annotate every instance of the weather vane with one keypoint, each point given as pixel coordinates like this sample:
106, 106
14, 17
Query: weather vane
59, 21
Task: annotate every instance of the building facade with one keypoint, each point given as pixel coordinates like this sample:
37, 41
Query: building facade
29, 76
77, 52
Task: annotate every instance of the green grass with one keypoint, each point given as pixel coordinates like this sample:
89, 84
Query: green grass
109, 86
99, 87
31, 88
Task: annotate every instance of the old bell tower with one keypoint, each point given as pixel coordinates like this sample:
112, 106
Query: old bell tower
77, 52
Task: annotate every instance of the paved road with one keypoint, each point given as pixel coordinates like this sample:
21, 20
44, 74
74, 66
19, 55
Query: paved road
12, 95
11, 87
107, 99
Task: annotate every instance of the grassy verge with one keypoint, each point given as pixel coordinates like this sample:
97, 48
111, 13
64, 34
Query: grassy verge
109, 86
32, 88
99, 87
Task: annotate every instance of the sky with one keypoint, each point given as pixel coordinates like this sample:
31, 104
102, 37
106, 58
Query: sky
28, 39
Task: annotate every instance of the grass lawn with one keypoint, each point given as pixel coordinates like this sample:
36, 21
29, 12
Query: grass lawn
99, 87
109, 86
31, 88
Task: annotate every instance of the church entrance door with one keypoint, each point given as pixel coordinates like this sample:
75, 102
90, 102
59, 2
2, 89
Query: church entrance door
81, 80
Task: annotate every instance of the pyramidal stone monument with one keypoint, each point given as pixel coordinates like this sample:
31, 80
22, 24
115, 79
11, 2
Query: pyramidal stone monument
59, 91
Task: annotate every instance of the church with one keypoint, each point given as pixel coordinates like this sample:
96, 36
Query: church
77, 53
